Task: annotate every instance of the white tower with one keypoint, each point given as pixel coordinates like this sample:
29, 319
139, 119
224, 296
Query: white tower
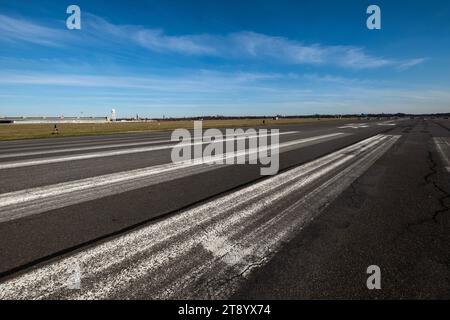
113, 114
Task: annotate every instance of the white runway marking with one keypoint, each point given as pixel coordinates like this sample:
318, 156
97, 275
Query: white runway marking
387, 123
106, 146
35, 162
443, 147
354, 126
109, 146
207, 251
27, 202
24, 145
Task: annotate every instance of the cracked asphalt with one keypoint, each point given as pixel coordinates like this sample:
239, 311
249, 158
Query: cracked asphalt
395, 216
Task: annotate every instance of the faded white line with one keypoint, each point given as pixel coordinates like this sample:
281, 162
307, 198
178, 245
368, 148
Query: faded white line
68, 142
112, 146
443, 147
106, 146
207, 251
27, 163
354, 126
14, 205
387, 123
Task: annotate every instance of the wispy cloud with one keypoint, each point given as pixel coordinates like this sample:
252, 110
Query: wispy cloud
239, 45
411, 63
201, 81
209, 92
21, 30
156, 40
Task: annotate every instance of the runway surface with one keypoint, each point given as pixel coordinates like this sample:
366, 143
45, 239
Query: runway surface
131, 224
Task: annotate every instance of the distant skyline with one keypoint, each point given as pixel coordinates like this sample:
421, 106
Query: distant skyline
191, 58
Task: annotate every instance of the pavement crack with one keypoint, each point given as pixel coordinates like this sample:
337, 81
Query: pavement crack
214, 285
441, 125
354, 194
429, 179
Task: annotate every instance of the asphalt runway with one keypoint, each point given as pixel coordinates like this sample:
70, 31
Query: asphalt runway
134, 225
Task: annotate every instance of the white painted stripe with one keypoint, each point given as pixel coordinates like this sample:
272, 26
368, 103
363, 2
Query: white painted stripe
387, 123
14, 205
443, 147
74, 141
112, 146
35, 162
354, 126
106, 146
207, 251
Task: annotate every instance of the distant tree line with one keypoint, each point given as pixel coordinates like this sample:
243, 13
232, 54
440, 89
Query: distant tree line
319, 116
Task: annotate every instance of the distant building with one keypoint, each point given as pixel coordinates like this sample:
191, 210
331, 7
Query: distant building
36, 120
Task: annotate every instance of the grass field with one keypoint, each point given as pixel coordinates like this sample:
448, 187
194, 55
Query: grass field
34, 131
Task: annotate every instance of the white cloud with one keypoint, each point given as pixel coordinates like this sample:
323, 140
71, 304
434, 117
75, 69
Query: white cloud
411, 63
202, 81
244, 45
251, 45
20, 30
210, 92
156, 40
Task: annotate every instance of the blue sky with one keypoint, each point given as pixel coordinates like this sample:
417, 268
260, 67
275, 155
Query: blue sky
234, 57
